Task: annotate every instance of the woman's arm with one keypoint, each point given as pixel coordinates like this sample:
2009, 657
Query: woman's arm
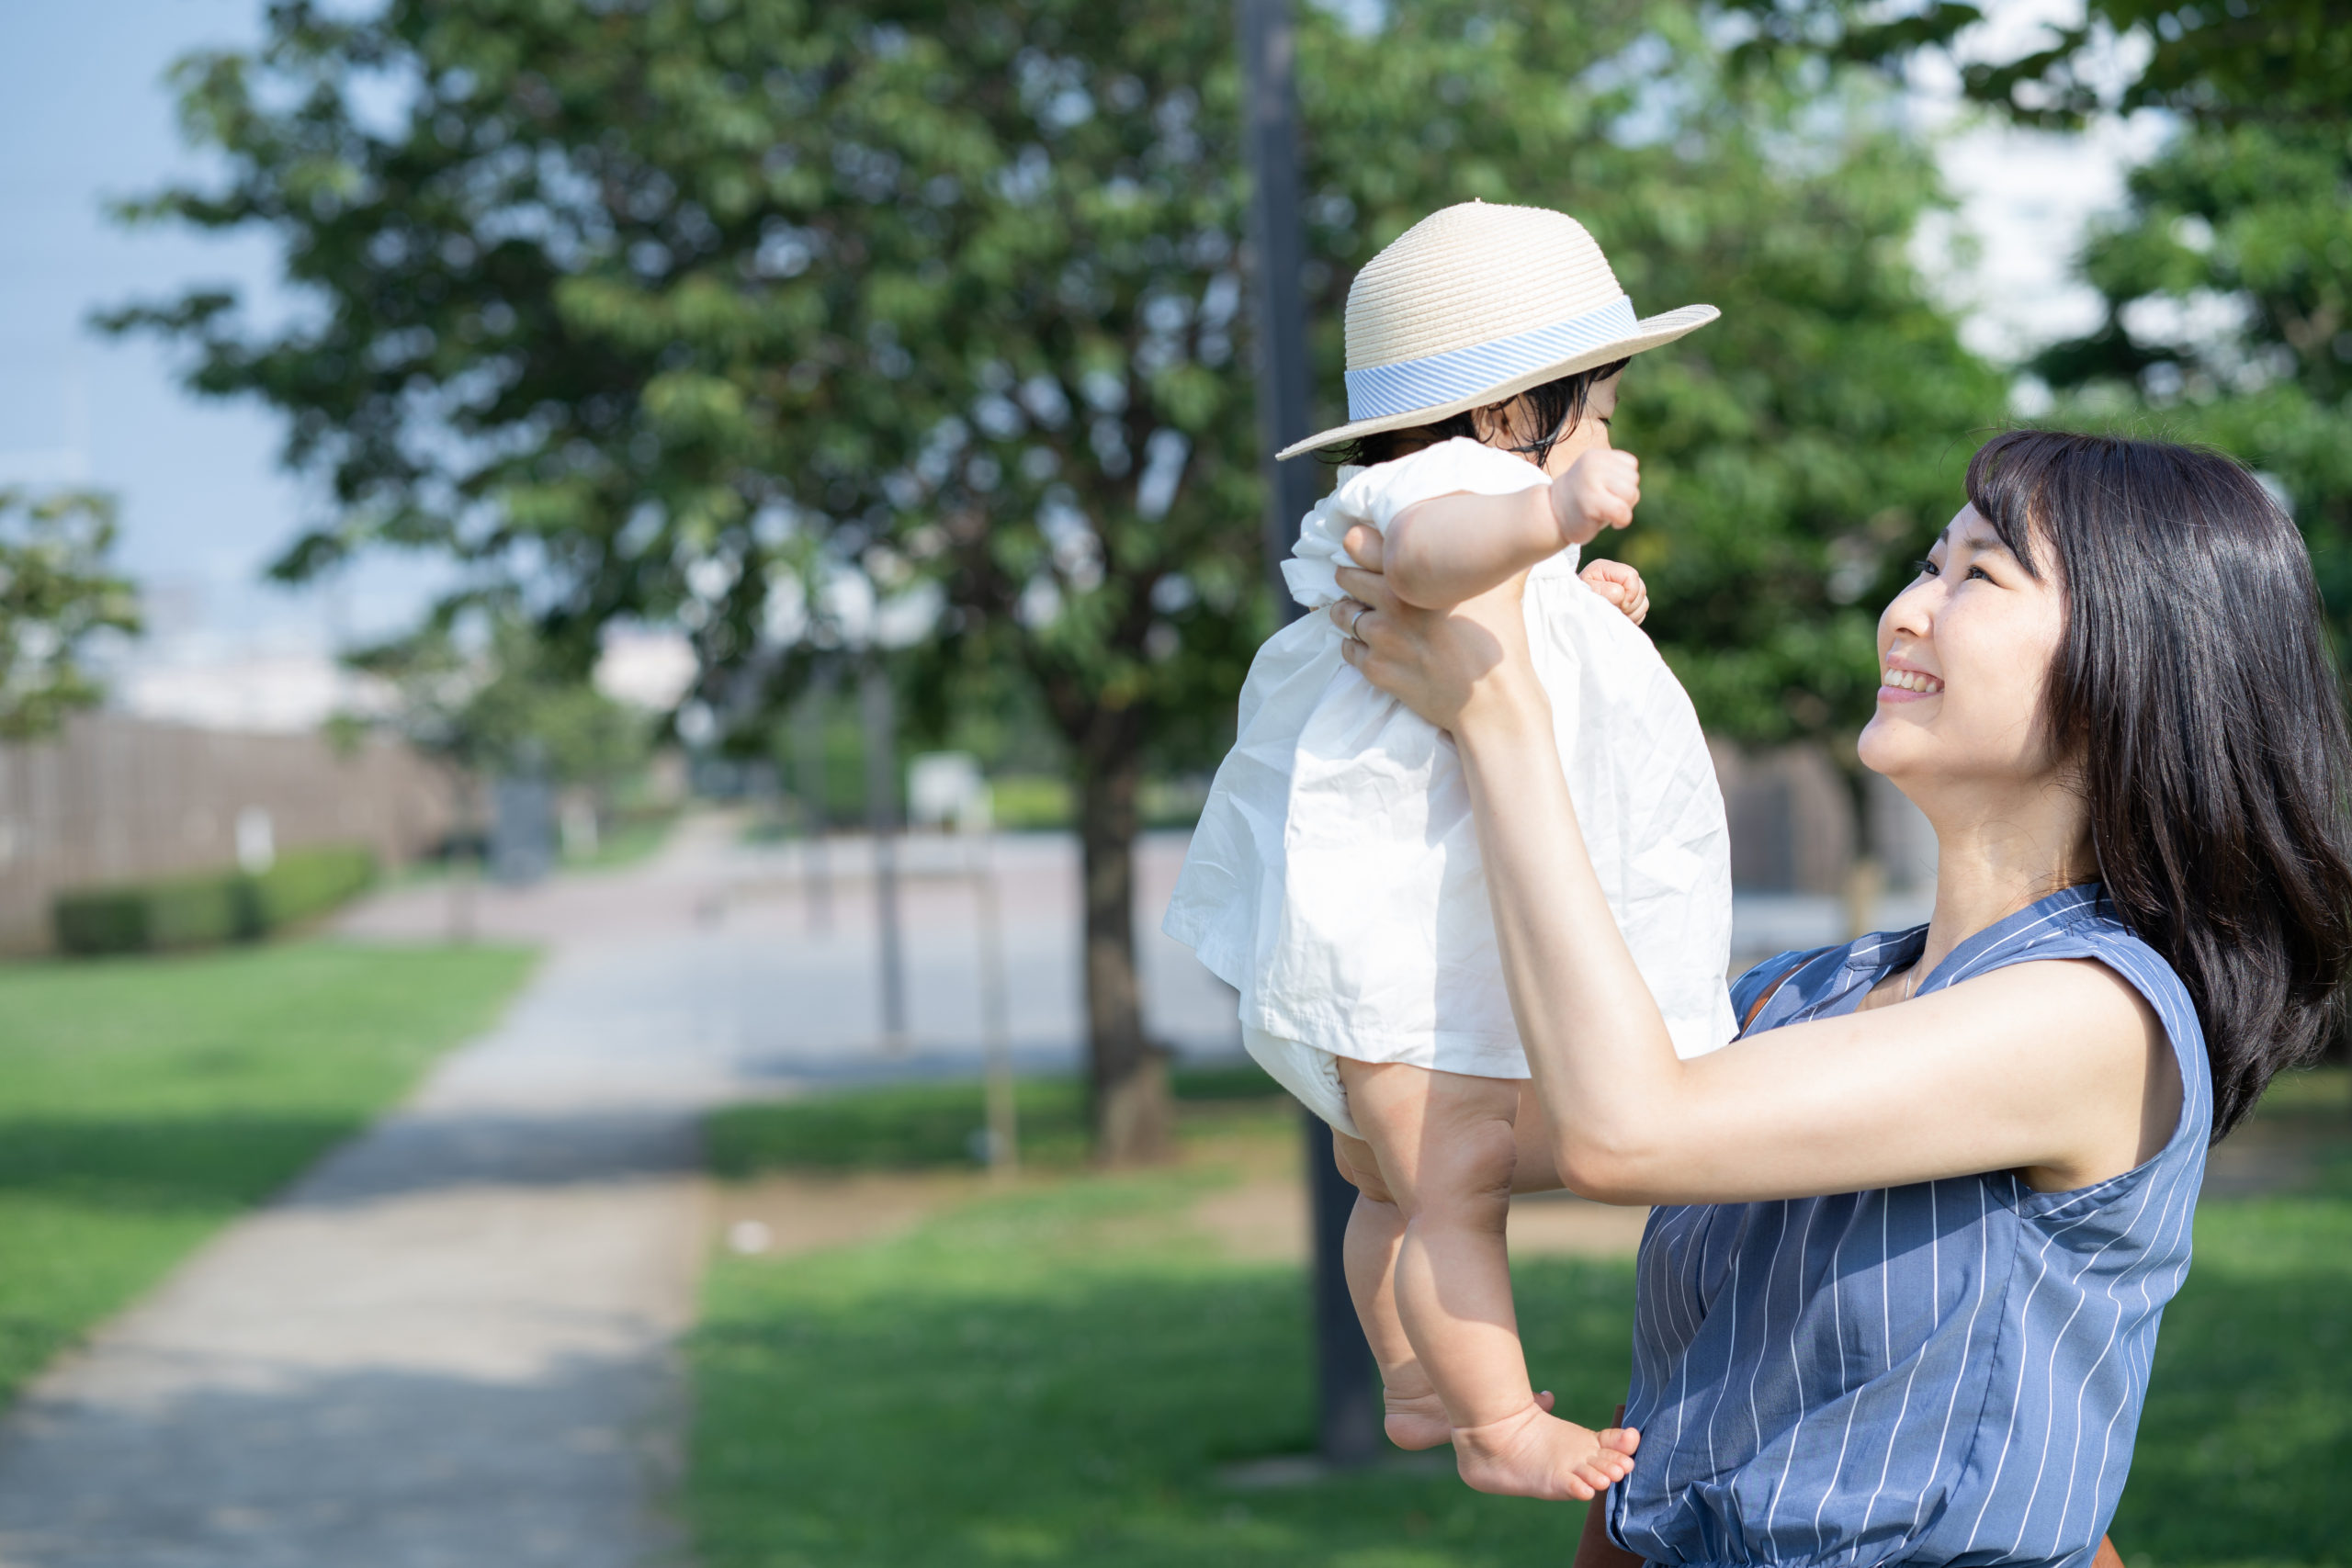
2058, 1069
1448, 549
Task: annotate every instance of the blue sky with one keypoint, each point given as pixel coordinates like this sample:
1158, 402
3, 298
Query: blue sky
86, 119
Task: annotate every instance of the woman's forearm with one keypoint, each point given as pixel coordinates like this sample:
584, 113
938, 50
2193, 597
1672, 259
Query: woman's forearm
1450, 548
1604, 1066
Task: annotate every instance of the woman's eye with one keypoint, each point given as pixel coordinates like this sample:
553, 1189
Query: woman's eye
1925, 568
1980, 571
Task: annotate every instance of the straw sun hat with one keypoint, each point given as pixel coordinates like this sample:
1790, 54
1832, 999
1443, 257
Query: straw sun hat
1477, 303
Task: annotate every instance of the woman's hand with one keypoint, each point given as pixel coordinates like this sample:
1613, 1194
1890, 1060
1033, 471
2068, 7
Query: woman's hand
1452, 666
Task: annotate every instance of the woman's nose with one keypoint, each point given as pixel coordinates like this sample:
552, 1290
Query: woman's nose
1911, 613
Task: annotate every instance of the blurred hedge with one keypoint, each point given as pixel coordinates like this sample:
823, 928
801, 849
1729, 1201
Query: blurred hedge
210, 907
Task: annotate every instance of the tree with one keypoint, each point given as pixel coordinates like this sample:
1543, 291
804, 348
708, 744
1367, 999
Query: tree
506, 707
2280, 62
2227, 277
2227, 283
56, 594
795, 322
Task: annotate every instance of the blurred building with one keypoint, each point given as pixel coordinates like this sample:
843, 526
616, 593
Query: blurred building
1792, 819
116, 797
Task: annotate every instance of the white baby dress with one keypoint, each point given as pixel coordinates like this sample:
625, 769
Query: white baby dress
1334, 879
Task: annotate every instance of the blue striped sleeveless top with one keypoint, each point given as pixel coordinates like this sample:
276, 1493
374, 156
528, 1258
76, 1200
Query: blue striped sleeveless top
1949, 1372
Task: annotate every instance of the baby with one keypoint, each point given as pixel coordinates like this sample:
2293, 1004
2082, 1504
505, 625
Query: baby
1334, 879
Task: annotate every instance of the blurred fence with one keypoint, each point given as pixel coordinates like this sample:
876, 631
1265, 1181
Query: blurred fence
113, 799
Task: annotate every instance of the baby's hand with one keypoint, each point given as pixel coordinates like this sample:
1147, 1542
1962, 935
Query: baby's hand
1599, 490
1621, 585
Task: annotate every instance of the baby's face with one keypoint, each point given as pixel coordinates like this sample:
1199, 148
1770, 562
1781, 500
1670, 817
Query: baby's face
1591, 432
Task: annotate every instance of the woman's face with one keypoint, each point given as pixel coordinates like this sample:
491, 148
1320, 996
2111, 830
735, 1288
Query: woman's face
1963, 653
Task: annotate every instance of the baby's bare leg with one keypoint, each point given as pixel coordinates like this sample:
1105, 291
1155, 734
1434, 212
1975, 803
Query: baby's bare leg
1446, 1147
1415, 1417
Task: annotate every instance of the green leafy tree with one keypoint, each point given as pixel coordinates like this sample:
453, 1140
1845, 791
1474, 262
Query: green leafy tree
915, 325
2281, 62
2227, 277
56, 594
507, 706
2227, 282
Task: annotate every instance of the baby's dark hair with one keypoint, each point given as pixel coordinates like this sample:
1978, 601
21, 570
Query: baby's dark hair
1549, 411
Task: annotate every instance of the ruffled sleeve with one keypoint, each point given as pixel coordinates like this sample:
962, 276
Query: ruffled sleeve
1313, 569
1373, 496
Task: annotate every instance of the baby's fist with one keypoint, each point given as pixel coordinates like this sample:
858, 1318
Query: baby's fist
1599, 490
1621, 585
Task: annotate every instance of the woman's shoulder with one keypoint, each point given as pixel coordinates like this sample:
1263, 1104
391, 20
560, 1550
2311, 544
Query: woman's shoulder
2082, 922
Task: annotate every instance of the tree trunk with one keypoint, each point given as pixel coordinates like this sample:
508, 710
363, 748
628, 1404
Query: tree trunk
1127, 1077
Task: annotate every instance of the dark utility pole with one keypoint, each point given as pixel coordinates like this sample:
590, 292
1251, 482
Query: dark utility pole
1347, 1417
878, 709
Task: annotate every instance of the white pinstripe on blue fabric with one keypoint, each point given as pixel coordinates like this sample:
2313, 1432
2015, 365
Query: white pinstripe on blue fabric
1410, 385
1947, 1422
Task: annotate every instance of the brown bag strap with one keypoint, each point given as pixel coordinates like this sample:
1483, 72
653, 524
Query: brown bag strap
1757, 1005
1594, 1548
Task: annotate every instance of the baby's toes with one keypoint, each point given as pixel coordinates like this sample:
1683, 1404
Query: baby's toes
1619, 1440
1596, 1476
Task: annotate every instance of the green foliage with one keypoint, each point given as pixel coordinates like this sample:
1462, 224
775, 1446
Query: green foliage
302, 883
912, 1126
803, 326
513, 705
144, 1103
1030, 802
2247, 1433
1054, 1376
210, 907
2227, 280
2278, 61
55, 594
706, 307
2227, 277
182, 911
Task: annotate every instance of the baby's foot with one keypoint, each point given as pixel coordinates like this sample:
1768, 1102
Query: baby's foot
1419, 1421
1536, 1454
1416, 1420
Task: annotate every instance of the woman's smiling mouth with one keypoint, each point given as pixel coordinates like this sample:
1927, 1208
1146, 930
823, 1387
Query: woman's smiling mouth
1901, 686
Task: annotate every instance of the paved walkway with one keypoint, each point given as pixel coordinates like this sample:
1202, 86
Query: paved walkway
452, 1344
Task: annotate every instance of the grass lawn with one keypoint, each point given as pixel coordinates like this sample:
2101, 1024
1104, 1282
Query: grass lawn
1056, 1374
2245, 1449
144, 1100
623, 844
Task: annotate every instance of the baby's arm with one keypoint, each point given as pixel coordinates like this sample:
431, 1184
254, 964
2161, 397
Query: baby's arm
1448, 549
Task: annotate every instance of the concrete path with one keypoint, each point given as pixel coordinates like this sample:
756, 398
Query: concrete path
452, 1344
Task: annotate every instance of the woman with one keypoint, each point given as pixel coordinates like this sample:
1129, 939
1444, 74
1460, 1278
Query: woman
1914, 1234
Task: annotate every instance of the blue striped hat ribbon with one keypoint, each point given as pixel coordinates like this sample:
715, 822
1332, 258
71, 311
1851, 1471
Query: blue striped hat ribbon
1410, 385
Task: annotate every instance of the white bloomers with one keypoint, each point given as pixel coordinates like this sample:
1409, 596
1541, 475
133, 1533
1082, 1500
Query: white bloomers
1334, 879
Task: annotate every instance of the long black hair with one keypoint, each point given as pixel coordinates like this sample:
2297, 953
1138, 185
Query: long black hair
1535, 418
2195, 692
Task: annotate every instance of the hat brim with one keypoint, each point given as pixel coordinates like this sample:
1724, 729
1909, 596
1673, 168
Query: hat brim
1653, 331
